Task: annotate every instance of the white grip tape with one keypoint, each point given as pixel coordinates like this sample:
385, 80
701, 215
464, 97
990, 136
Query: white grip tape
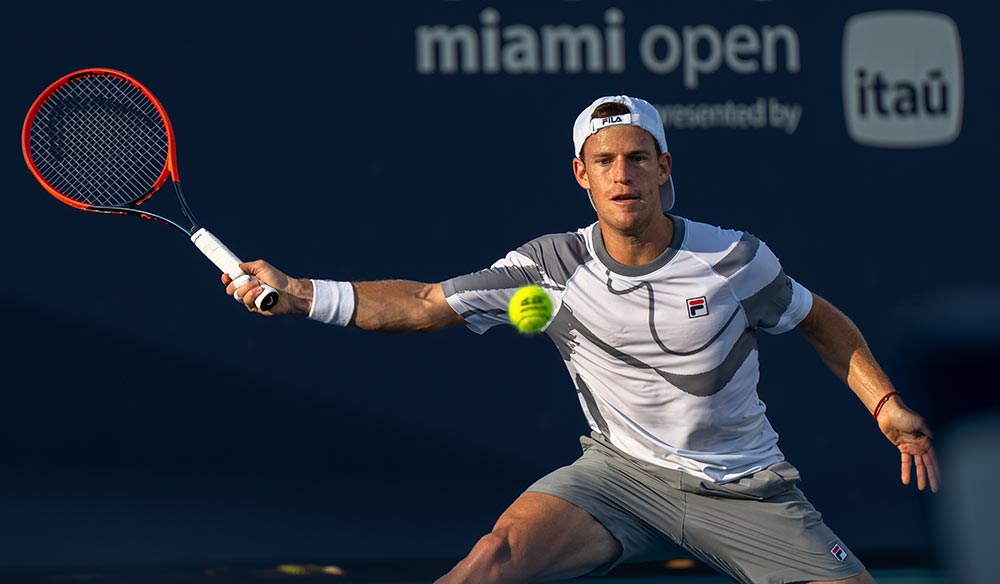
225, 260
217, 251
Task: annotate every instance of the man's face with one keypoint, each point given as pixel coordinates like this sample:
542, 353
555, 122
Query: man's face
623, 174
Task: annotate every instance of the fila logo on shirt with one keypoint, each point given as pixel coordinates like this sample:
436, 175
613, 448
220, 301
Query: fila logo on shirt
838, 552
697, 307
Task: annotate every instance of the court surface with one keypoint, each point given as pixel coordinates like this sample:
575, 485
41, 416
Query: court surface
390, 573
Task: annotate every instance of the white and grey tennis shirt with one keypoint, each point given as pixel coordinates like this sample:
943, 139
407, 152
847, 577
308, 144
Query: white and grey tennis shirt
663, 355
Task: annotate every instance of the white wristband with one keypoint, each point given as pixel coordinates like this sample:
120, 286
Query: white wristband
332, 303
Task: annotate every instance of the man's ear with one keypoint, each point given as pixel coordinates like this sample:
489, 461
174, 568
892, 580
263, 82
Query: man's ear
580, 172
665, 164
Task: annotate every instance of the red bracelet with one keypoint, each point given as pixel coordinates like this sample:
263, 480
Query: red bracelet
881, 402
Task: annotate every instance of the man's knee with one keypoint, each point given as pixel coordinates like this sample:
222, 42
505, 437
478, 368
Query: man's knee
491, 559
539, 537
493, 549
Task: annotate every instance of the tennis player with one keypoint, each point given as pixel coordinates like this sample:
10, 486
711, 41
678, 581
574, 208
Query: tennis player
656, 318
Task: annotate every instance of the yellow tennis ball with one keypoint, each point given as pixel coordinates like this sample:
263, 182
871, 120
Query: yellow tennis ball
530, 309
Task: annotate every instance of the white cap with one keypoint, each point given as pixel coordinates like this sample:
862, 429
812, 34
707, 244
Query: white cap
642, 114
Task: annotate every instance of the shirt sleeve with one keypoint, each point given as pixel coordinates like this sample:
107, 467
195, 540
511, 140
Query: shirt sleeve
481, 298
774, 302
797, 309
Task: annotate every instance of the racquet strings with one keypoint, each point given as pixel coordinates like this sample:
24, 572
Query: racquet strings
100, 141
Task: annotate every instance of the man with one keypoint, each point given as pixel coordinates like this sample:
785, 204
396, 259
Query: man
656, 318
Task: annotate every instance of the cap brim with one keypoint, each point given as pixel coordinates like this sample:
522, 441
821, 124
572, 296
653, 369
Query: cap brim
667, 194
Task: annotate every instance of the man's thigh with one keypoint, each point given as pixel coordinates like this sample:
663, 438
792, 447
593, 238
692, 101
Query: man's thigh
762, 528
553, 538
614, 492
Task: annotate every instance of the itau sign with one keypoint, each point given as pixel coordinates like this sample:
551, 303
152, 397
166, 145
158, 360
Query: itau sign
902, 79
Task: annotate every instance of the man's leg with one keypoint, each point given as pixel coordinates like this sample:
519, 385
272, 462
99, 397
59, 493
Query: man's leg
538, 538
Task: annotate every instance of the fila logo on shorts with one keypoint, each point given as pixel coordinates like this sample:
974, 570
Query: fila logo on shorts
838, 552
697, 307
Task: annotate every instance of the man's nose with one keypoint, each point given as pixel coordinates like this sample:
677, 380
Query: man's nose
619, 169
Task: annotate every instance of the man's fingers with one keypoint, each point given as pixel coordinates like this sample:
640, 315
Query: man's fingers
251, 298
247, 292
921, 469
930, 461
920, 453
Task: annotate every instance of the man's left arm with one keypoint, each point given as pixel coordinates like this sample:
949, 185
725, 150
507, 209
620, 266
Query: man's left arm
842, 347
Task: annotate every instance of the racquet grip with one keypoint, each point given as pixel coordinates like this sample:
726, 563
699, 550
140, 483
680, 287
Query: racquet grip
226, 260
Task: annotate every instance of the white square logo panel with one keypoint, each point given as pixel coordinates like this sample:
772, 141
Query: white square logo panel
902, 79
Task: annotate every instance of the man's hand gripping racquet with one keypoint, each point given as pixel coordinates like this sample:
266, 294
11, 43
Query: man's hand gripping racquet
99, 141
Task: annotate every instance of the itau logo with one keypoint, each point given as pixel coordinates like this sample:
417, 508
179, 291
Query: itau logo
902, 79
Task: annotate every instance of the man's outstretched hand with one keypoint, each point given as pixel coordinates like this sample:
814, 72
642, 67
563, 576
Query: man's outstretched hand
909, 432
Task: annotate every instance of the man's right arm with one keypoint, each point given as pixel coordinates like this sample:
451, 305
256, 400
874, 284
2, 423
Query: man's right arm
399, 306
390, 306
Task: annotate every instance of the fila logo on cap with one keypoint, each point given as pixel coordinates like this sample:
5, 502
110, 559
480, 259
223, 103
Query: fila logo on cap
617, 120
902, 79
697, 307
838, 552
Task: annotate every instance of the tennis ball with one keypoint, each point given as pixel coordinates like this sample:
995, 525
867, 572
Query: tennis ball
530, 309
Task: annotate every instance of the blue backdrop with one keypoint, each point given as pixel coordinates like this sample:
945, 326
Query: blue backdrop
148, 418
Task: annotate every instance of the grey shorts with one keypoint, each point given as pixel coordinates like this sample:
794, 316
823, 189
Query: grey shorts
760, 529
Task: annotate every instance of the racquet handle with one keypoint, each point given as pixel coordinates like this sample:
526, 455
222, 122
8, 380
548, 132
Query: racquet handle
227, 261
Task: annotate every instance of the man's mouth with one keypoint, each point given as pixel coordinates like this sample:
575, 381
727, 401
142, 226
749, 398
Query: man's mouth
625, 198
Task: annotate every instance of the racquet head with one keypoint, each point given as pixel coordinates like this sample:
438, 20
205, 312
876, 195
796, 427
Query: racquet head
99, 138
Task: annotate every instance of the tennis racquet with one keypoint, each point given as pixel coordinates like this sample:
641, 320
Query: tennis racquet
99, 141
